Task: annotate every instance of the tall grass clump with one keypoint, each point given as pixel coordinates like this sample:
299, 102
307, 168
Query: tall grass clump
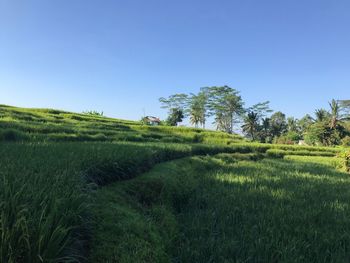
43, 206
12, 135
46, 190
345, 160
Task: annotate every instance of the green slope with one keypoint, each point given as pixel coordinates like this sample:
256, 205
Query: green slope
226, 208
52, 190
21, 124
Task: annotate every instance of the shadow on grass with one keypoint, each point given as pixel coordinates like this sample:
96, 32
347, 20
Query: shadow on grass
204, 209
270, 211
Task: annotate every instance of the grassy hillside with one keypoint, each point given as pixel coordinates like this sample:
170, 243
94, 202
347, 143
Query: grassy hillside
68, 201
226, 208
20, 124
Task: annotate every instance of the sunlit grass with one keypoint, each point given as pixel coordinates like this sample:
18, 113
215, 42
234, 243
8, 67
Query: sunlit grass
239, 211
62, 202
56, 125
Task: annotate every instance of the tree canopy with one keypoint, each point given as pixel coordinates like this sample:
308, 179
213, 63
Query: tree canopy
225, 106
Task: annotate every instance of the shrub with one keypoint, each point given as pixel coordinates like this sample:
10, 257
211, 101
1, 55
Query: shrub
346, 141
283, 140
274, 153
197, 138
93, 113
277, 153
321, 133
12, 135
288, 138
345, 157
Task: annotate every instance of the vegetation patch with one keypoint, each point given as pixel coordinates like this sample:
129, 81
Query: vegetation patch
46, 190
280, 153
69, 188
345, 160
189, 210
54, 125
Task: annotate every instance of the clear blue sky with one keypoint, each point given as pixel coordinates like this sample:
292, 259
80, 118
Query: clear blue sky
121, 56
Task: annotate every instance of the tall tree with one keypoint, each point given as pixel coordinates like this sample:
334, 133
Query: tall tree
176, 101
251, 125
175, 116
226, 105
265, 135
176, 105
305, 123
198, 107
335, 112
292, 124
338, 113
278, 123
321, 115
261, 108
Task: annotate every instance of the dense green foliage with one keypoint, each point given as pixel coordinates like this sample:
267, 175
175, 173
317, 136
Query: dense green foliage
222, 102
93, 113
227, 208
176, 105
47, 189
226, 106
45, 192
344, 158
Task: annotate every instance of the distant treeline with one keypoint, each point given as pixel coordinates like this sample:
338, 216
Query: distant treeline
259, 122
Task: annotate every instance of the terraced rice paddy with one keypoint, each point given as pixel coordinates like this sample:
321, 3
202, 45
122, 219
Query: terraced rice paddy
211, 198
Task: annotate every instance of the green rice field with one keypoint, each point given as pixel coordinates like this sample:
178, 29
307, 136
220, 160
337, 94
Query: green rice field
79, 188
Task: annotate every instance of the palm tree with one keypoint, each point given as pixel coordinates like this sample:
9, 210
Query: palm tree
265, 129
321, 115
305, 123
194, 119
251, 124
220, 121
197, 108
336, 114
292, 124
194, 111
